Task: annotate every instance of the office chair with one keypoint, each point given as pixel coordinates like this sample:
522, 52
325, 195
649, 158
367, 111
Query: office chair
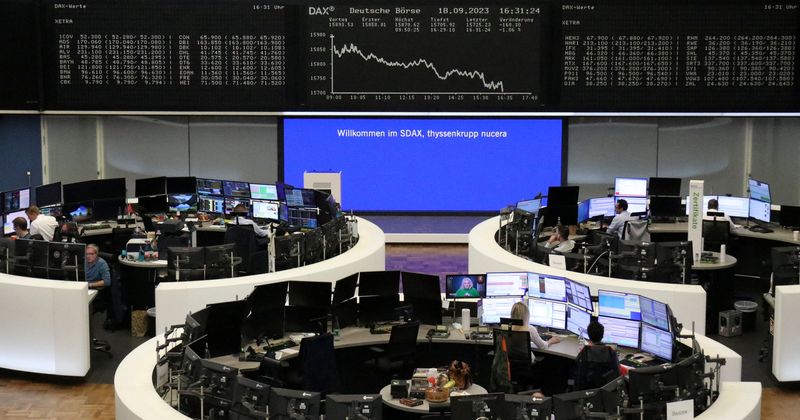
103, 302
595, 366
636, 230
244, 239
716, 233
519, 356
119, 238
259, 262
401, 352
318, 364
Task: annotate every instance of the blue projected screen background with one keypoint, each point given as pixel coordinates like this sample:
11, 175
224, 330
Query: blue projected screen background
427, 164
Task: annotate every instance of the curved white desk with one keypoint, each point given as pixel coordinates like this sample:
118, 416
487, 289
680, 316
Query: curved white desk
175, 300
688, 302
425, 407
45, 325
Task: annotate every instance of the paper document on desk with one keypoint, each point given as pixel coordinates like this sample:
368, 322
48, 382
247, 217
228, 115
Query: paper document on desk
557, 261
290, 351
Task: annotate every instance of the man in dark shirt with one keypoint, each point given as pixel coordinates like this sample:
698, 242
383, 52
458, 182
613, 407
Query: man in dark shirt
597, 364
21, 228
97, 273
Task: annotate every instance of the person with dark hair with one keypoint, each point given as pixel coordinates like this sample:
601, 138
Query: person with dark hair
239, 219
21, 228
597, 364
713, 207
618, 222
559, 241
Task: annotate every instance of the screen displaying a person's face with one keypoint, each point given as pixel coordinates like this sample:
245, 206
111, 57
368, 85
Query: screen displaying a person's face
466, 283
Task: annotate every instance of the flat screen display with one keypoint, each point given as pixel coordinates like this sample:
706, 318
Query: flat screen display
8, 225
263, 192
182, 202
602, 206
231, 202
630, 187
146, 187
548, 314
657, 342
670, 187
48, 195
759, 190
654, 313
397, 164
619, 305
265, 209
623, 332
495, 308
210, 204
531, 206
759, 210
16, 199
635, 204
181, 185
209, 186
236, 189
506, 284
465, 286
578, 321
579, 294
544, 286
732, 206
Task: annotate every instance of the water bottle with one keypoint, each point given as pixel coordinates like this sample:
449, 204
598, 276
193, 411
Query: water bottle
141, 254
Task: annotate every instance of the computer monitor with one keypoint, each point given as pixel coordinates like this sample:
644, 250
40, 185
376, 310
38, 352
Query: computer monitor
562, 196
495, 308
578, 321
207, 186
345, 288
785, 266
310, 293
153, 205
654, 313
299, 197
790, 216
16, 199
506, 284
220, 379
379, 283
79, 212
759, 190
635, 204
224, 326
239, 189
186, 203
55, 211
302, 216
108, 209
623, 332
210, 204
109, 188
545, 286
465, 286
619, 305
732, 206
670, 187
531, 206
264, 192
526, 407
630, 187
665, 206
485, 406
288, 404
79, 191
602, 206
548, 314
181, 185
565, 215
146, 187
360, 406
232, 202
577, 405
265, 209
306, 319
375, 309
185, 257
706, 199
48, 195
8, 225
579, 294
265, 317
421, 286
583, 211
657, 342
251, 398
760, 210
66, 260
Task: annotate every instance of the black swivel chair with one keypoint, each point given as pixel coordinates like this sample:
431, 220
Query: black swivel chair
716, 233
595, 366
119, 238
519, 356
244, 239
104, 302
318, 364
399, 357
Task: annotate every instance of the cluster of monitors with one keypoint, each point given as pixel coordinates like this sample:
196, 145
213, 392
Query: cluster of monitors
244, 398
43, 259
555, 302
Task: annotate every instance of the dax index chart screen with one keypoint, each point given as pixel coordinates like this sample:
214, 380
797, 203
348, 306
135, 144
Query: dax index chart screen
394, 57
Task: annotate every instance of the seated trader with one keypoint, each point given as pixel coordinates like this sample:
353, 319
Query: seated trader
520, 311
21, 228
241, 220
597, 363
41, 224
97, 273
467, 289
713, 206
559, 241
618, 222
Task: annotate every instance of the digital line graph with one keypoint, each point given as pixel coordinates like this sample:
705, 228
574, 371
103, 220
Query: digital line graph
493, 87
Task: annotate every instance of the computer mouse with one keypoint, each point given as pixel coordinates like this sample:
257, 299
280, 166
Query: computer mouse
629, 356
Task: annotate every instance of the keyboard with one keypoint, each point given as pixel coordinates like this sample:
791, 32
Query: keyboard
479, 336
280, 344
97, 226
545, 337
760, 229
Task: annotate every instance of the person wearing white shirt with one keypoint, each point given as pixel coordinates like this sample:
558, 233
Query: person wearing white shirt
713, 206
520, 311
41, 224
559, 241
240, 220
618, 222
